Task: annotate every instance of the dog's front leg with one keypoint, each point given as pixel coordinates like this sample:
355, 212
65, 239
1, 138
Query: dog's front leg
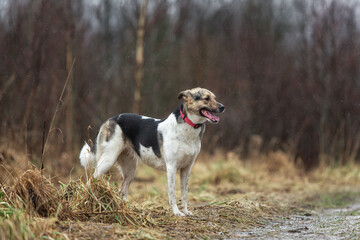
184, 179
171, 176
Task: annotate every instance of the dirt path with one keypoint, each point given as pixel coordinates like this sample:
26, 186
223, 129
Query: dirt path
339, 223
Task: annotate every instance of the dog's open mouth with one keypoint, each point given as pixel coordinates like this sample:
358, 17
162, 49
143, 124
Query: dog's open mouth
209, 115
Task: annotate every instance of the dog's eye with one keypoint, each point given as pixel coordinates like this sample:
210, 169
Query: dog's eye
197, 98
207, 98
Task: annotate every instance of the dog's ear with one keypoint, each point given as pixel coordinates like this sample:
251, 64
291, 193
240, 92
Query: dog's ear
184, 94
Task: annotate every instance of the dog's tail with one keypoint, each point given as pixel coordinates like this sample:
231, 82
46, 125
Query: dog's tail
87, 157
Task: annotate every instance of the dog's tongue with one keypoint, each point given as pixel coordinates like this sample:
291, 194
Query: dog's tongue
211, 116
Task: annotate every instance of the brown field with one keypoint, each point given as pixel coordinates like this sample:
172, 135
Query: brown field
226, 194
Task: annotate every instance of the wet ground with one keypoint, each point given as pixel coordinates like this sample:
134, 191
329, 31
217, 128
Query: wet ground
340, 223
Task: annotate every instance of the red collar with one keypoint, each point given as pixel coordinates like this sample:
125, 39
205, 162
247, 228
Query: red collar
188, 121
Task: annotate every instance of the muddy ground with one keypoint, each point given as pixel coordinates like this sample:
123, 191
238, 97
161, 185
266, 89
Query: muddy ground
336, 223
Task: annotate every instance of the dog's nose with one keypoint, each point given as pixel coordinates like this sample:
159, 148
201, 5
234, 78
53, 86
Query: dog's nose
221, 108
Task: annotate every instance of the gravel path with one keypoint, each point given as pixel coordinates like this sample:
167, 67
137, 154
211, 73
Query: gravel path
341, 223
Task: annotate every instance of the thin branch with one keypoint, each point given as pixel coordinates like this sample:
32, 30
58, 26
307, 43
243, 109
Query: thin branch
54, 116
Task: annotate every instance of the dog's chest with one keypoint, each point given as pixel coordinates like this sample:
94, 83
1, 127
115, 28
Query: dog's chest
176, 143
181, 143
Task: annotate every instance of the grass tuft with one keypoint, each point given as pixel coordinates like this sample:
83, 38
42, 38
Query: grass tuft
101, 202
37, 195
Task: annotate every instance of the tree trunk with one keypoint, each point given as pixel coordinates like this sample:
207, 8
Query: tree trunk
139, 58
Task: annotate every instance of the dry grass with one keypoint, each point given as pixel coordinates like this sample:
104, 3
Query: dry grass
37, 196
20, 226
226, 194
101, 202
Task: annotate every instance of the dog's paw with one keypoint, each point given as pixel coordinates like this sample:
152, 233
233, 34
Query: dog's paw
187, 213
180, 214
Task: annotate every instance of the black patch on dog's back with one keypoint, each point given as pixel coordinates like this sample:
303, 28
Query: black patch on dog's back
140, 131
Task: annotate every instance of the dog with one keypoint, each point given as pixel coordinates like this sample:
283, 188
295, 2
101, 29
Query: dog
168, 144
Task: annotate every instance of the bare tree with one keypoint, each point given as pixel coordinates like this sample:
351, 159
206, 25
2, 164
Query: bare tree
139, 57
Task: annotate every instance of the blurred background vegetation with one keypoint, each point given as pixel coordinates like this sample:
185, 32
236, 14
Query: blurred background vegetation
287, 71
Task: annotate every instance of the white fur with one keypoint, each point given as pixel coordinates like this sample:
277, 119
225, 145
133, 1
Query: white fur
148, 157
109, 152
87, 158
181, 146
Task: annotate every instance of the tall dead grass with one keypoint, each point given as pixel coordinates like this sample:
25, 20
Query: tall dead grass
102, 202
98, 202
225, 192
38, 196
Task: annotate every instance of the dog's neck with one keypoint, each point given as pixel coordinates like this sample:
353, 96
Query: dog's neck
188, 121
182, 115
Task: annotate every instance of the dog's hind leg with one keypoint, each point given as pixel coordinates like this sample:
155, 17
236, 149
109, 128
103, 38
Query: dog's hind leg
128, 164
110, 143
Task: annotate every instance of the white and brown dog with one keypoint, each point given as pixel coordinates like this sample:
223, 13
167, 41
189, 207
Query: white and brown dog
169, 144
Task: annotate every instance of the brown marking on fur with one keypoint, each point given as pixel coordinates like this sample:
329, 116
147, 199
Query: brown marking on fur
198, 98
107, 130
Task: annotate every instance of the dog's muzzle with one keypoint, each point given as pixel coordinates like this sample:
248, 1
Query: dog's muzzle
221, 108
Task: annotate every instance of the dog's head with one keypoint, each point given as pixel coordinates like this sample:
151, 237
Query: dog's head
200, 104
